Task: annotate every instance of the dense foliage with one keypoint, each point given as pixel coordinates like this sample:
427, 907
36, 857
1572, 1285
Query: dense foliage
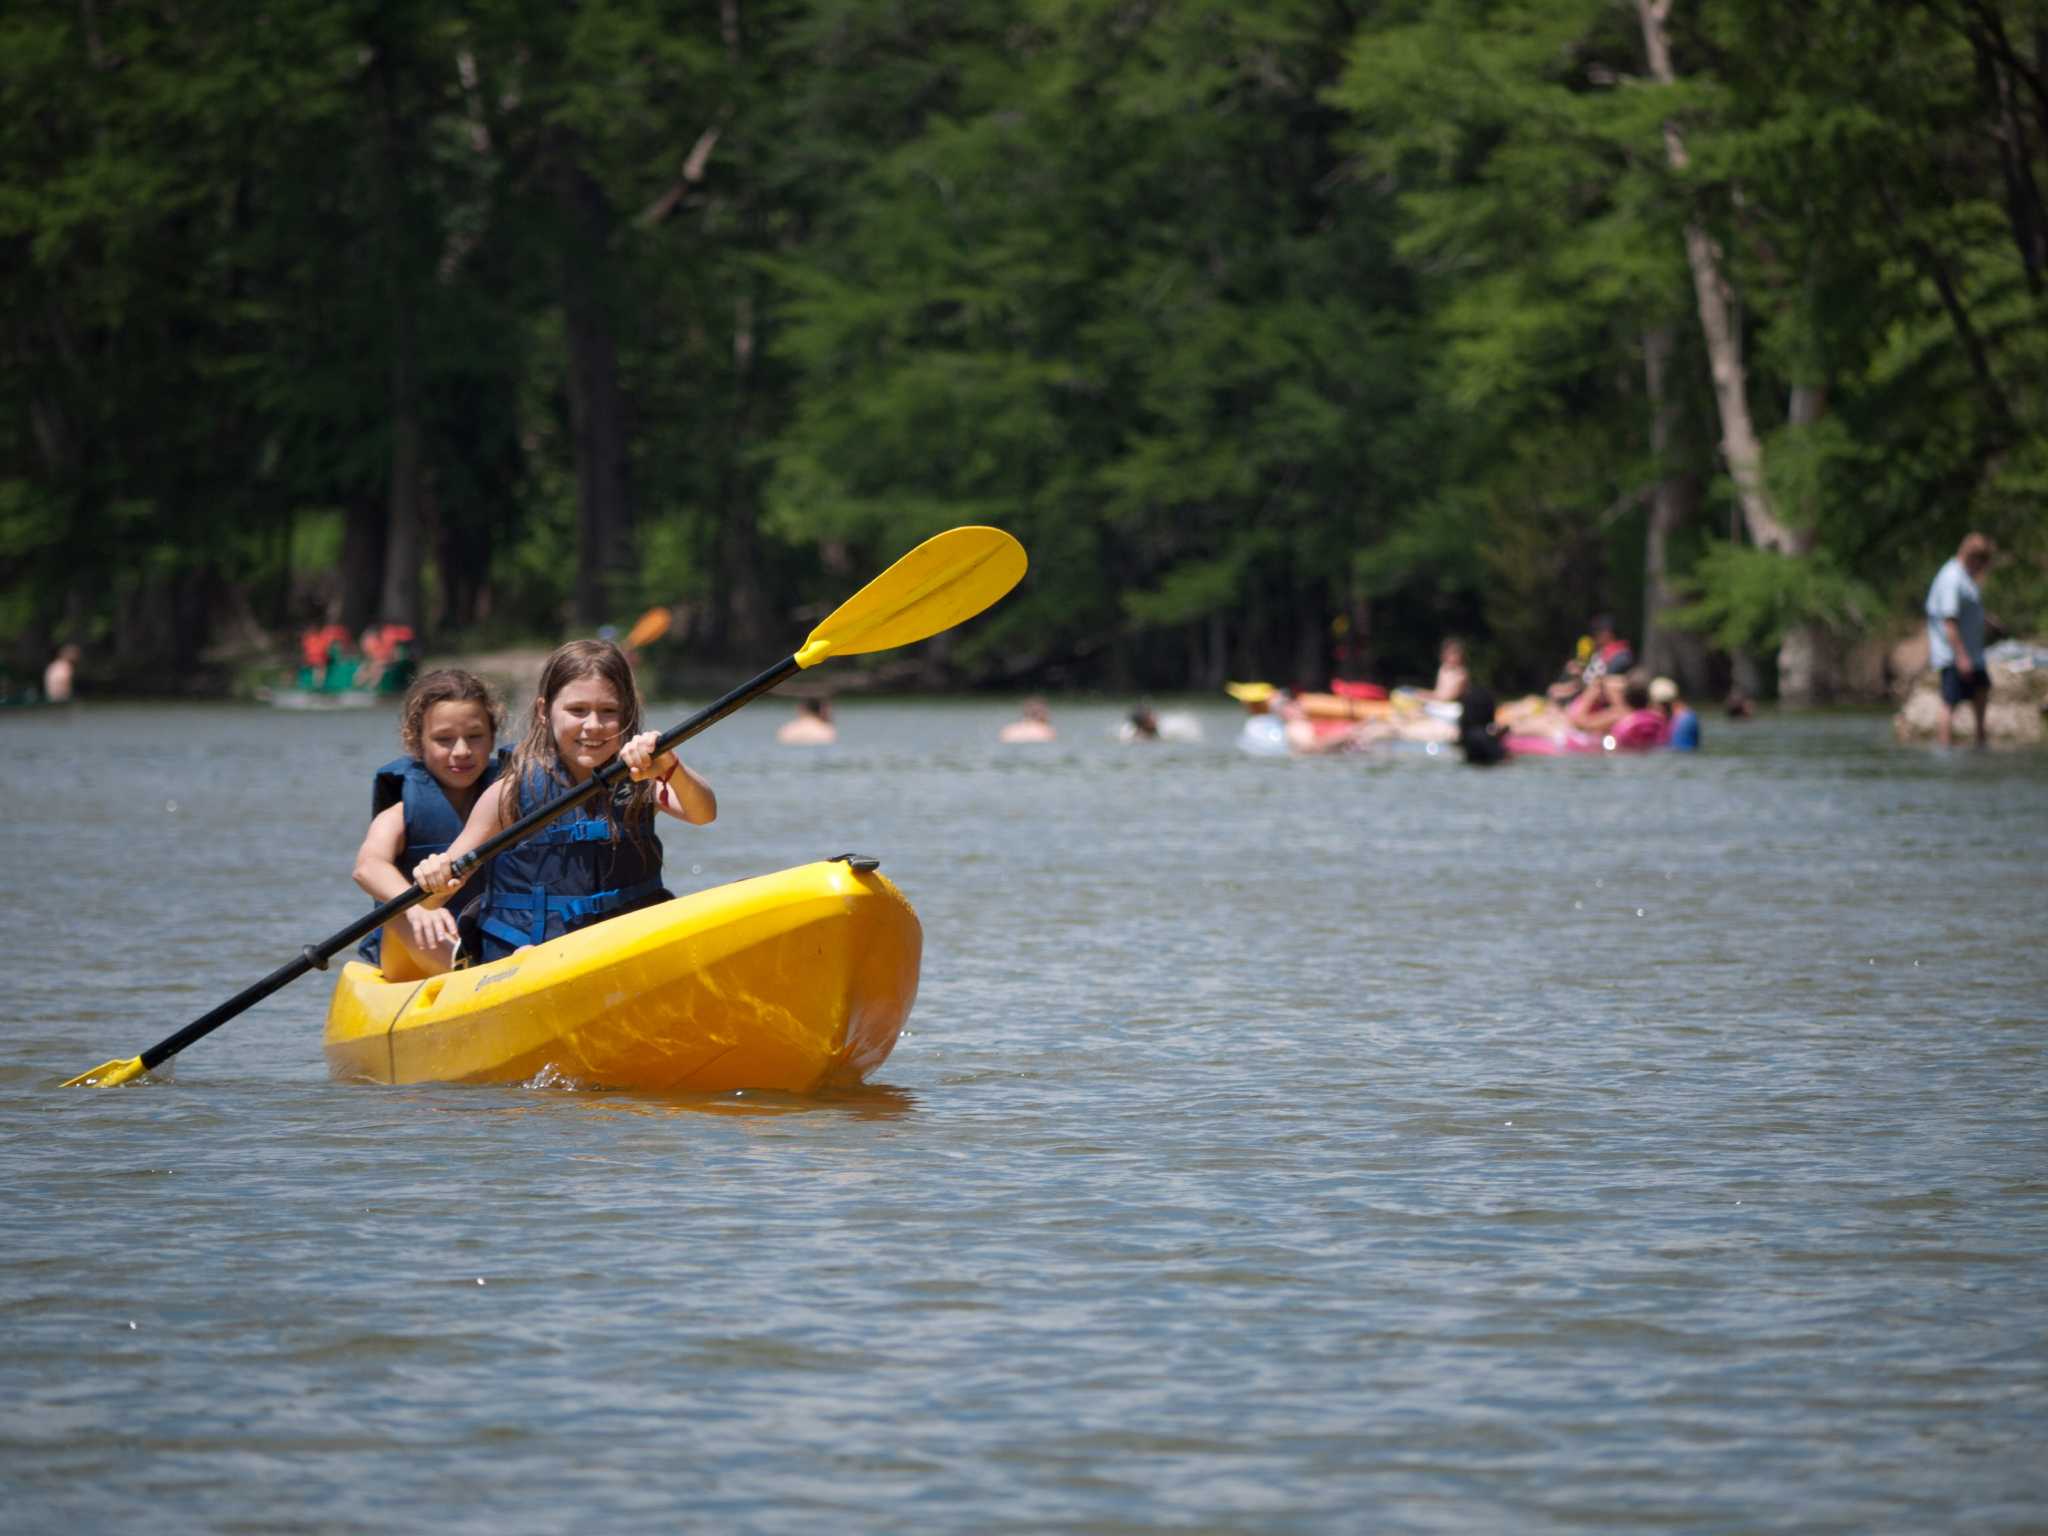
1289, 337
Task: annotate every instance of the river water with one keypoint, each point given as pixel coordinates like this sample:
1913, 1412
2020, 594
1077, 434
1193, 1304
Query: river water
1318, 1145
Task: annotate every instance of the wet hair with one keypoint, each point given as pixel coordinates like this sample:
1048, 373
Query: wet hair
817, 708
1635, 693
630, 804
1478, 738
445, 685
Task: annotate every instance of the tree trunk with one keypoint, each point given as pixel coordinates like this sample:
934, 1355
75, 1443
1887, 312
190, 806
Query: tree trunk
2016, 164
1741, 449
398, 589
1209, 652
1809, 660
597, 404
739, 546
1311, 647
399, 596
362, 563
1801, 658
1670, 652
742, 588
463, 557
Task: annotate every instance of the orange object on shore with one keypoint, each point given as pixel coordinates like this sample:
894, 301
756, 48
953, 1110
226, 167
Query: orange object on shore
381, 641
1335, 706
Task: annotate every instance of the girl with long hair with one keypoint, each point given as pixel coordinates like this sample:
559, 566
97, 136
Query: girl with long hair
603, 859
419, 804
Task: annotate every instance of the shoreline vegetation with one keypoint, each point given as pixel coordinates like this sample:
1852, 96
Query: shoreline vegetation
1290, 341
1894, 680
1885, 673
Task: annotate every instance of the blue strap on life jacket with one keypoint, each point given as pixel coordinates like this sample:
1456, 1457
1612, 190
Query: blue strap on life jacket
584, 829
576, 871
573, 911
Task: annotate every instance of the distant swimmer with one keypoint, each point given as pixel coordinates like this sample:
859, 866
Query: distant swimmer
60, 674
812, 726
1033, 725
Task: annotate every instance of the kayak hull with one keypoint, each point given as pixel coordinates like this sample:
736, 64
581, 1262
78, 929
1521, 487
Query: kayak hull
796, 981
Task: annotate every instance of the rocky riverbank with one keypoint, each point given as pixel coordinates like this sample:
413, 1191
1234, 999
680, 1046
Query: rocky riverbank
2019, 698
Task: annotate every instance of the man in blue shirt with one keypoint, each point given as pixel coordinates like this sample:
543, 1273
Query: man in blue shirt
1955, 634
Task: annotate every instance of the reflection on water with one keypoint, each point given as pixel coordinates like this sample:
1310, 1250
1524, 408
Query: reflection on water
864, 1101
1275, 1145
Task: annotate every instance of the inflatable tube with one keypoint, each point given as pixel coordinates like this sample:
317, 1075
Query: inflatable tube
1573, 744
1344, 688
1263, 736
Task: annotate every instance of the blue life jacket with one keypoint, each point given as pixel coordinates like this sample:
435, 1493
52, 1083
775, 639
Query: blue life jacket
431, 825
570, 874
1685, 732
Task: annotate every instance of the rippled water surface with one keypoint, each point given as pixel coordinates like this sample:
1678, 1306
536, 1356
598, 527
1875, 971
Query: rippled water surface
1275, 1146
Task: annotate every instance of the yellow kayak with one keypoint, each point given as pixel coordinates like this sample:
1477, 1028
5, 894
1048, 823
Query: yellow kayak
798, 980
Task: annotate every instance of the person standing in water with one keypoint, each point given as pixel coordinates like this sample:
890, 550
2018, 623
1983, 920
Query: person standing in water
1481, 738
1955, 634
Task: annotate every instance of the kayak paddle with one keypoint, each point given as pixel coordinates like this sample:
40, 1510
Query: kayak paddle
944, 581
648, 628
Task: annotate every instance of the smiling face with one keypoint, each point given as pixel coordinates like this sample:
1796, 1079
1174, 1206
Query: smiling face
587, 722
455, 742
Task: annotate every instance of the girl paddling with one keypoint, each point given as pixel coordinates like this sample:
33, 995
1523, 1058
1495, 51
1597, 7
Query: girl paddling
600, 860
419, 803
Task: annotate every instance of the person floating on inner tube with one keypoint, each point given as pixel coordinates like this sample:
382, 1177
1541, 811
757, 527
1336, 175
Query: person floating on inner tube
1601, 654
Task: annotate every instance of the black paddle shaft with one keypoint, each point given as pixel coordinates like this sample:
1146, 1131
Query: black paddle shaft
315, 956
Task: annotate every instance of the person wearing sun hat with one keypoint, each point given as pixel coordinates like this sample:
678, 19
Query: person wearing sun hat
1683, 734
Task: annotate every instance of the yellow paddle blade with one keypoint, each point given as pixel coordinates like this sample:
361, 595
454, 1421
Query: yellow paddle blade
946, 579
649, 627
108, 1074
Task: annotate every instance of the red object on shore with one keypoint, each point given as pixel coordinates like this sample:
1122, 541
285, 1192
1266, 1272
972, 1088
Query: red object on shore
314, 644
1344, 688
381, 641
